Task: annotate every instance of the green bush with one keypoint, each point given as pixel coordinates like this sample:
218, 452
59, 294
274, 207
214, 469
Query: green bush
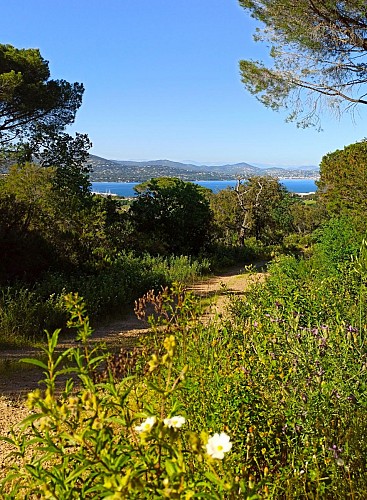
283, 379
337, 241
108, 438
26, 312
222, 256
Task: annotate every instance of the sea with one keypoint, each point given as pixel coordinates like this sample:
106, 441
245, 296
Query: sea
126, 189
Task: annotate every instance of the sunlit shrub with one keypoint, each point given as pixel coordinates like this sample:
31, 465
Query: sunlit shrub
97, 436
26, 312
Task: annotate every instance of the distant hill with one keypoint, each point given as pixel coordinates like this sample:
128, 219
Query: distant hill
139, 171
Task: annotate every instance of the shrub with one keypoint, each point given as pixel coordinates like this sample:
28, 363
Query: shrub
26, 312
108, 438
288, 388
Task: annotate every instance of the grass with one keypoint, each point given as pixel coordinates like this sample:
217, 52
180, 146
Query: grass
283, 374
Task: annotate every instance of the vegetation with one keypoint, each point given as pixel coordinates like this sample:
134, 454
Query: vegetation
265, 401
171, 216
29, 100
270, 422
318, 50
342, 182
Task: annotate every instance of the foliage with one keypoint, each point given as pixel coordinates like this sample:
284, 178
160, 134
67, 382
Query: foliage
259, 206
25, 312
284, 377
337, 241
302, 337
24, 315
171, 216
90, 442
34, 111
305, 394
343, 179
307, 215
69, 155
29, 99
43, 227
46, 215
226, 216
222, 255
265, 209
318, 49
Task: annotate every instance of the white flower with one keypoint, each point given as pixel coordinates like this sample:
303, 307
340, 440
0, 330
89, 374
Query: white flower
146, 425
174, 422
218, 445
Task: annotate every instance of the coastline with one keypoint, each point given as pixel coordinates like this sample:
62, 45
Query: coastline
125, 189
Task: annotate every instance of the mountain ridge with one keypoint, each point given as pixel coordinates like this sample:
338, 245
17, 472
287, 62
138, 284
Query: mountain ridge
103, 169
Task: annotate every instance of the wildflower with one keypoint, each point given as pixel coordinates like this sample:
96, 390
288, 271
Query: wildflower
218, 445
174, 422
146, 426
352, 329
170, 344
153, 363
33, 398
336, 451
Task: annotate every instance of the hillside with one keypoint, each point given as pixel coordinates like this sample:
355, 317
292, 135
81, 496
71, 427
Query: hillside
138, 171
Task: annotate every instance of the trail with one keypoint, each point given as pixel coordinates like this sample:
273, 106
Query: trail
17, 379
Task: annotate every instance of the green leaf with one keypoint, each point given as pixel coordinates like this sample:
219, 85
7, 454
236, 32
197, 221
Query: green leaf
7, 440
156, 388
213, 478
171, 468
29, 420
36, 362
62, 356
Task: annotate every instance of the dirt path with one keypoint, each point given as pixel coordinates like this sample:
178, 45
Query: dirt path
17, 379
15, 383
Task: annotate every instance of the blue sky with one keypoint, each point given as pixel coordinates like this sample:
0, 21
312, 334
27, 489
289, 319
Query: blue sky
162, 80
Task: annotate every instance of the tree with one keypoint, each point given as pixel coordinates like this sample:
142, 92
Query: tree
307, 217
29, 100
25, 216
171, 216
343, 179
264, 205
227, 216
67, 154
318, 49
34, 111
42, 227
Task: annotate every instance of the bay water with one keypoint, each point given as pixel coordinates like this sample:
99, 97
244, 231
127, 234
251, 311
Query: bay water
126, 189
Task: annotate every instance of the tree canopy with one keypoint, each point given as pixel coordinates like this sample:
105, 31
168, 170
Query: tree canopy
34, 111
264, 204
318, 52
171, 216
29, 99
343, 179
258, 206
